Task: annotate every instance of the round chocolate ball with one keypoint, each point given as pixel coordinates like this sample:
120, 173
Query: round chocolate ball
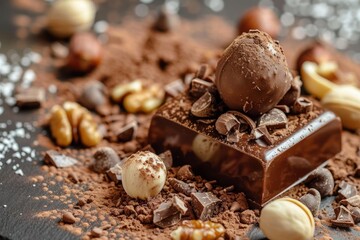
261, 18
252, 75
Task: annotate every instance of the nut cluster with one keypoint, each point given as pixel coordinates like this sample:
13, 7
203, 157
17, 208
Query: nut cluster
67, 17
135, 97
197, 229
287, 218
70, 122
143, 175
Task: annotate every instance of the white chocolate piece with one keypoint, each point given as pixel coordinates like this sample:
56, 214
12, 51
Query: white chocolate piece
67, 17
287, 218
143, 175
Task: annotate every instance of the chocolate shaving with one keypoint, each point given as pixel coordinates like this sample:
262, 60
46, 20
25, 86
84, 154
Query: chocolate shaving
283, 108
198, 87
204, 106
343, 218
31, 97
167, 158
261, 133
181, 186
302, 105
244, 119
204, 204
166, 215
127, 132
226, 122
347, 190
59, 160
174, 88
274, 119
234, 136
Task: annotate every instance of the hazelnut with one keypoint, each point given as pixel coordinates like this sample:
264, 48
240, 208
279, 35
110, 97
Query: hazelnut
261, 18
143, 175
287, 218
67, 17
85, 52
316, 53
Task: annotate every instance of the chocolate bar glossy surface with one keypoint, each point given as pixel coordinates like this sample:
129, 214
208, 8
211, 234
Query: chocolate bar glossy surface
261, 171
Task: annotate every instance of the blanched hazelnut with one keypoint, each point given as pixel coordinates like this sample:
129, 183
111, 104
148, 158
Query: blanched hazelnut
143, 175
287, 218
85, 52
261, 18
67, 17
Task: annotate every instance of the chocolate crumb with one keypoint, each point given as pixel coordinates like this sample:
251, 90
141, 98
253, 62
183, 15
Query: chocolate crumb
205, 204
185, 173
59, 160
302, 105
127, 132
96, 232
69, 218
167, 158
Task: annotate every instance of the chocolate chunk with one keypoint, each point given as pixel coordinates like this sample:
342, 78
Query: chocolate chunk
343, 218
302, 105
180, 205
199, 87
73, 177
167, 20
93, 95
226, 122
274, 119
312, 200
322, 180
204, 204
127, 132
185, 173
174, 88
347, 190
167, 159
59, 160
353, 201
115, 173
204, 106
355, 213
283, 108
166, 215
201, 73
58, 50
31, 97
261, 133
234, 136
293, 94
69, 218
181, 186
244, 120
105, 158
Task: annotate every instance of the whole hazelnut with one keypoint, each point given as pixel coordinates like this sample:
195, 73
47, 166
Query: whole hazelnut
287, 218
67, 17
143, 175
85, 52
261, 18
316, 53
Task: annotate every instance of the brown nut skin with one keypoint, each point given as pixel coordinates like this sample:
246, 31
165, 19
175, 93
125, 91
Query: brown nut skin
261, 18
252, 75
85, 52
316, 53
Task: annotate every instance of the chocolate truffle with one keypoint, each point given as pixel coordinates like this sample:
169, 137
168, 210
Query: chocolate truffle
261, 18
252, 75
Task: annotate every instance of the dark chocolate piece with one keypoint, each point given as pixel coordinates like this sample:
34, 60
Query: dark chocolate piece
353, 201
115, 173
283, 108
204, 106
174, 88
204, 205
322, 180
262, 172
181, 186
226, 122
302, 105
68, 218
201, 73
274, 119
105, 158
355, 213
59, 160
199, 87
73, 177
167, 158
30, 97
343, 218
180, 205
185, 173
244, 119
347, 190
261, 133
312, 200
127, 132
293, 94
166, 215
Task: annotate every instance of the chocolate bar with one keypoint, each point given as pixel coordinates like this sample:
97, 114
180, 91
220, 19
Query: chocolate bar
262, 171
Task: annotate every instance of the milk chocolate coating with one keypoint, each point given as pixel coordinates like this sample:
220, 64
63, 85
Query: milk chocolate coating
252, 75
